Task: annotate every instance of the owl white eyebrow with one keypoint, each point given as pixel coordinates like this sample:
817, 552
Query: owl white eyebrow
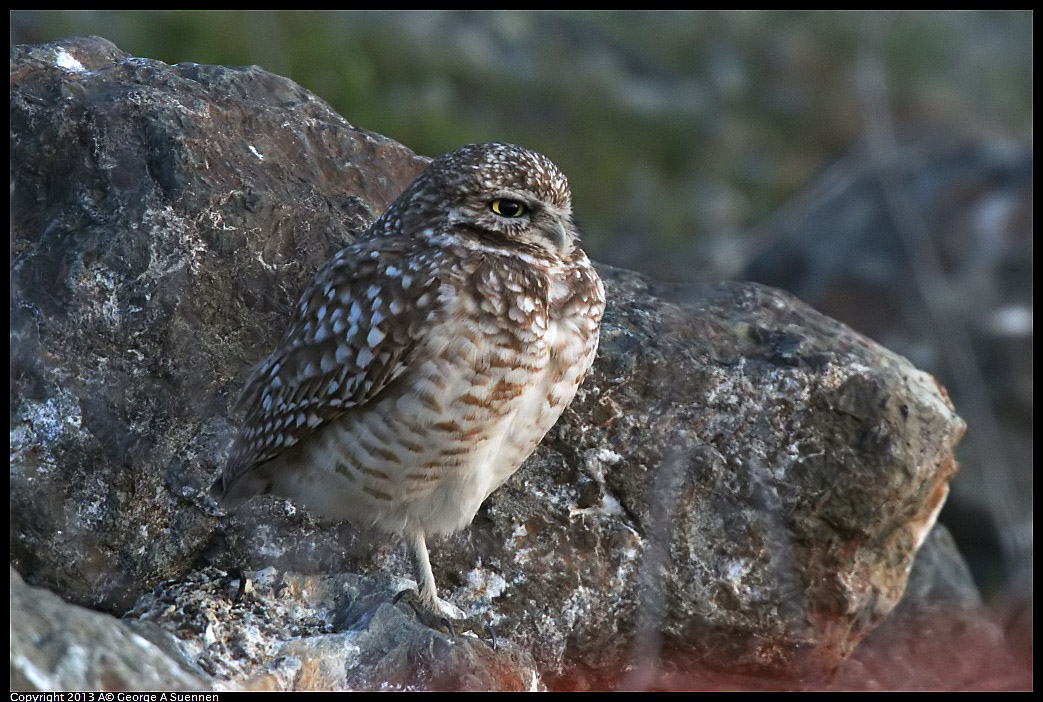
522, 195
441, 239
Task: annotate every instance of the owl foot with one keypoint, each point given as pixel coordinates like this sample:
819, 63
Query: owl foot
440, 622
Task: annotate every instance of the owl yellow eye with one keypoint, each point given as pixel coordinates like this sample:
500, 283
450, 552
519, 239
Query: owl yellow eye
507, 208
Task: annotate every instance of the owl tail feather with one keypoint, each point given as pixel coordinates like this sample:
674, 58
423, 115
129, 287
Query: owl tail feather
231, 493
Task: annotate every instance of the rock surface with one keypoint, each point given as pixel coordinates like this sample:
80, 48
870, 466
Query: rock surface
58, 646
940, 637
951, 289
163, 221
737, 493
288, 631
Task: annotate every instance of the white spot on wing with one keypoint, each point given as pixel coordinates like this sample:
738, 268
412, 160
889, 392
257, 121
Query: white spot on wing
364, 358
356, 312
375, 337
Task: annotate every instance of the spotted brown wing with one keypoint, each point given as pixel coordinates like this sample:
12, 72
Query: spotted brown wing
354, 331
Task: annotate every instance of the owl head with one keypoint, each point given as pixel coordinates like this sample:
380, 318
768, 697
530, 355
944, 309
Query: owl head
501, 194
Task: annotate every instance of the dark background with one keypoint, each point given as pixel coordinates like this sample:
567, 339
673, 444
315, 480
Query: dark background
751, 145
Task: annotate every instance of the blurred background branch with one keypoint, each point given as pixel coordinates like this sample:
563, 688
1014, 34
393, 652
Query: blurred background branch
984, 443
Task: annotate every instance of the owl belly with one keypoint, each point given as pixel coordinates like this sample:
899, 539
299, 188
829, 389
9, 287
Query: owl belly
462, 422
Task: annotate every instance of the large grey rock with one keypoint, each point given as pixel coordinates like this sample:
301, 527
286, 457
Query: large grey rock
735, 498
58, 646
163, 220
930, 253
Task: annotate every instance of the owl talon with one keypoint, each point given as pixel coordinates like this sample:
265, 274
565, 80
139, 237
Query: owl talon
439, 622
472, 625
430, 619
401, 595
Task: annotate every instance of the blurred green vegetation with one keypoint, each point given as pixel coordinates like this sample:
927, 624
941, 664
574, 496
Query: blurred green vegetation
676, 129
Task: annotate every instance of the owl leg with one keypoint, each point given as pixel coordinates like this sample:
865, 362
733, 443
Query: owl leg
425, 577
424, 600
425, 603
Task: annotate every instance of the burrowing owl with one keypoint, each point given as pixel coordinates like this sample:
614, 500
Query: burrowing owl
428, 358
